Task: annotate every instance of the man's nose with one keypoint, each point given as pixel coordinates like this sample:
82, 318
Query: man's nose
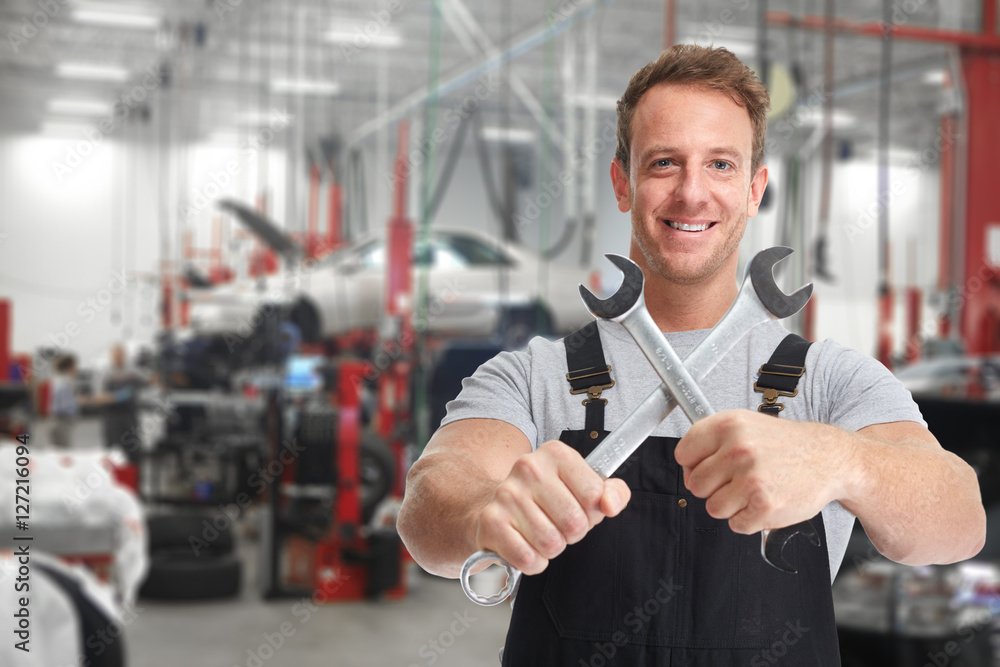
693, 187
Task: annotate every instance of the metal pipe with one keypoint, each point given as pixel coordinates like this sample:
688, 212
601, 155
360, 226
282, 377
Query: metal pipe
489, 64
466, 28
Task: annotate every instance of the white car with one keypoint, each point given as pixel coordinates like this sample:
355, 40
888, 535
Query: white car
477, 287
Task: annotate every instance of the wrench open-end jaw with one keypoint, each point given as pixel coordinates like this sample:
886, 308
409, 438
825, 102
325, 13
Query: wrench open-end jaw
627, 306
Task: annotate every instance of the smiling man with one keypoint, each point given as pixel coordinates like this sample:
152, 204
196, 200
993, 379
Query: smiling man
661, 565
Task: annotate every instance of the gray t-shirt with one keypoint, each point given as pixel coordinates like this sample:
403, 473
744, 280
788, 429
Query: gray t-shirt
842, 387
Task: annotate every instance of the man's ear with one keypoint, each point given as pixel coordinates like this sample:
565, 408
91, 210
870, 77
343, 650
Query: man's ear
619, 181
757, 186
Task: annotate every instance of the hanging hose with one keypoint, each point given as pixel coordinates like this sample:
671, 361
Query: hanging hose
486, 171
444, 179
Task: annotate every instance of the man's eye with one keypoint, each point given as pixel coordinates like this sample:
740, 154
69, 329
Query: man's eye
722, 165
665, 162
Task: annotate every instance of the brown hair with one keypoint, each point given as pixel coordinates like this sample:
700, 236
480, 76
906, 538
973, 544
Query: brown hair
690, 64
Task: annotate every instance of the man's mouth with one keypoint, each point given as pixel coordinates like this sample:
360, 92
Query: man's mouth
690, 227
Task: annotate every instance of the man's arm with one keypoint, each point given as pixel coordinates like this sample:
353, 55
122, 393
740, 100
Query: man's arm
478, 485
918, 503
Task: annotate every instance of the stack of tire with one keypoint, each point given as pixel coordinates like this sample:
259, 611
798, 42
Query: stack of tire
191, 557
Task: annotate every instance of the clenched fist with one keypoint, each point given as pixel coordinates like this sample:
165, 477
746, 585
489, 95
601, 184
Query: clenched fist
550, 499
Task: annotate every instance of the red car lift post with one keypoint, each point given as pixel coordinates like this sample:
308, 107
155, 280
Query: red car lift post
978, 292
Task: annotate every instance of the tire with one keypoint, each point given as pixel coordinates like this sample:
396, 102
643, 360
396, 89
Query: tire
377, 473
174, 532
180, 576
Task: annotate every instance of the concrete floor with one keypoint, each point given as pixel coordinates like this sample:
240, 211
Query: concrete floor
434, 625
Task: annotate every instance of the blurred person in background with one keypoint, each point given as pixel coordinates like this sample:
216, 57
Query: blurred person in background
119, 400
65, 405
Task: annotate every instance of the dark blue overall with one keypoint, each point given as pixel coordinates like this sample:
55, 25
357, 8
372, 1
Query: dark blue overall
664, 583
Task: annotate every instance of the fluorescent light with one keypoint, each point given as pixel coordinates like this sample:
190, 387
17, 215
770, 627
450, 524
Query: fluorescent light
260, 117
71, 106
116, 19
356, 35
598, 101
91, 71
814, 116
510, 135
305, 87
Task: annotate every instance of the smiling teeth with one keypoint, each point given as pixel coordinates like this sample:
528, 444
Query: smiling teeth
684, 227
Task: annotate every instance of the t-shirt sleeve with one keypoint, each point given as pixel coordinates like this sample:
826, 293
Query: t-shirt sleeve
497, 390
852, 390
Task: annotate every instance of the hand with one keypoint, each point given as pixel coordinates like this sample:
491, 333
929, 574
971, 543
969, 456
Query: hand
550, 499
757, 471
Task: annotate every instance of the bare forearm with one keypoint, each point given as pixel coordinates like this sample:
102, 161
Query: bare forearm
437, 522
918, 504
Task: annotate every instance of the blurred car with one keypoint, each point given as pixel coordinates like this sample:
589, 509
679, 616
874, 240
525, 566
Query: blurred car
973, 377
890, 614
893, 615
477, 287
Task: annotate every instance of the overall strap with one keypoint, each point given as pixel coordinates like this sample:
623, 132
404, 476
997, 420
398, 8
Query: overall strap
588, 373
780, 375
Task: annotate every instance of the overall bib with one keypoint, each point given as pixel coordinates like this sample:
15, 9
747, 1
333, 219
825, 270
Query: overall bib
664, 583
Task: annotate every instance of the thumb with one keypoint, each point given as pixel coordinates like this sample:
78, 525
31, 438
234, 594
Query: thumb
615, 498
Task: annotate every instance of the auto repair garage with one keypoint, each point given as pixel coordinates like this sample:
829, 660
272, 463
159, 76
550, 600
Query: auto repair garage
250, 251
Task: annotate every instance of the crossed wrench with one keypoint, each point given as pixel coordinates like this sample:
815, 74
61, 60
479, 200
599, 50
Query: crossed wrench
759, 301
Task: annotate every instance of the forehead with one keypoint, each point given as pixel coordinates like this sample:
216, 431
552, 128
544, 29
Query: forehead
689, 117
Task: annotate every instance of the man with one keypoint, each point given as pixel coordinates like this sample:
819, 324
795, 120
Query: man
677, 578
119, 399
65, 405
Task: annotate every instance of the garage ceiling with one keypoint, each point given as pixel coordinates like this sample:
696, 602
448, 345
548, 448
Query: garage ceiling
225, 58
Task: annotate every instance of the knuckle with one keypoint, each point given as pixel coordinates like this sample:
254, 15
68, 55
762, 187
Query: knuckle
550, 544
524, 558
526, 468
576, 526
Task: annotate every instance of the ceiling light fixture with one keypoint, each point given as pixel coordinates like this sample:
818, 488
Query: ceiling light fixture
305, 87
356, 35
95, 71
76, 106
509, 135
116, 19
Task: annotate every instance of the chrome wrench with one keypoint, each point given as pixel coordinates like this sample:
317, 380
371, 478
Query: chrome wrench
759, 301
627, 306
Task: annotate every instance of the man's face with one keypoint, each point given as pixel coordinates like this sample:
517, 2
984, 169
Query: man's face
689, 186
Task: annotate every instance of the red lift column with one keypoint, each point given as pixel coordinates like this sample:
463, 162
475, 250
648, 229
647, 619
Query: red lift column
980, 289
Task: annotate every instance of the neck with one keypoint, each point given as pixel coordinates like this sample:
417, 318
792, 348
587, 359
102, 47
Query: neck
687, 307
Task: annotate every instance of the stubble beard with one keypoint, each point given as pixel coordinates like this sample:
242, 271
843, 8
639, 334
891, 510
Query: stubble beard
686, 275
